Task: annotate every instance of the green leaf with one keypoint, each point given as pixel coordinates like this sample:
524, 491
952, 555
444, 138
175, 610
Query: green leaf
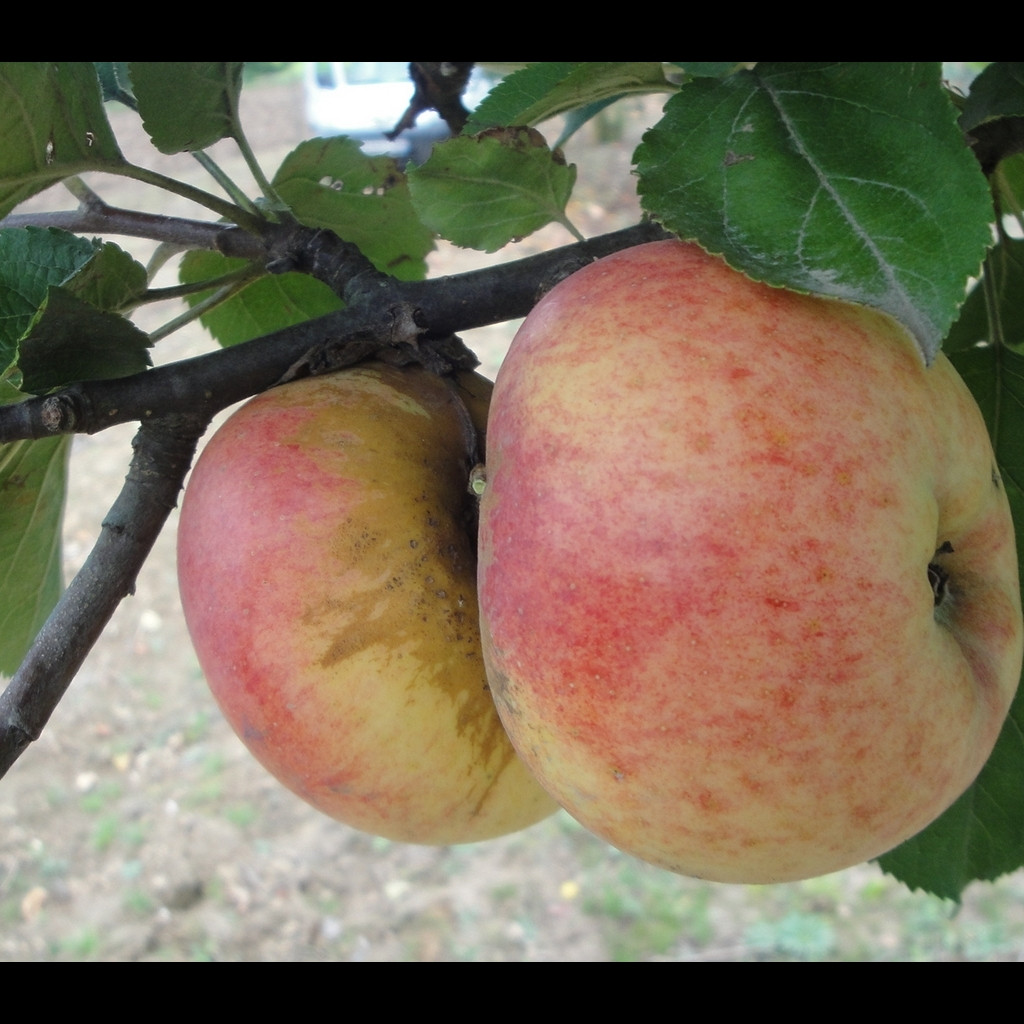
112, 280
548, 88
483, 191
33, 476
267, 304
997, 92
1004, 285
331, 183
187, 105
55, 335
72, 340
53, 126
31, 260
982, 835
843, 179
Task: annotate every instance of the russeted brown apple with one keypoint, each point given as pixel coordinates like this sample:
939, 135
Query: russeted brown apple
326, 563
747, 570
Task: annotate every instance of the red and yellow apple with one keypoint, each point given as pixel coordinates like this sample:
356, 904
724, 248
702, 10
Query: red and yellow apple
327, 566
747, 570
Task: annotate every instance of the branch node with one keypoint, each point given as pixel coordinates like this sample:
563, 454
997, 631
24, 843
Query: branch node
58, 414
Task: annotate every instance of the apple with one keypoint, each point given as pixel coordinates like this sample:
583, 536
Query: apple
747, 572
327, 570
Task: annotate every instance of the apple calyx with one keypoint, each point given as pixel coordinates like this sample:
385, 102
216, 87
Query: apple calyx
938, 577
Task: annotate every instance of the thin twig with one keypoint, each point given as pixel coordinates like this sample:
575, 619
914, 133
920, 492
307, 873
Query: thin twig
98, 218
201, 386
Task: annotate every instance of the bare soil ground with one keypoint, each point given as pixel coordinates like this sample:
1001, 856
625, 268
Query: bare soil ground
139, 828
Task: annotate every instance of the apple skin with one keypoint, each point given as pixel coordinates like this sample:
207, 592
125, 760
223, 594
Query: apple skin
327, 574
712, 518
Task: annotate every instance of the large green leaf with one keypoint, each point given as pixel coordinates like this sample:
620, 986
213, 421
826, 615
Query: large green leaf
331, 183
844, 179
53, 126
187, 105
483, 191
33, 476
266, 304
982, 835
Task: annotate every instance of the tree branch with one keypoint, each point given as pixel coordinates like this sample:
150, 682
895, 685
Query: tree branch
508, 291
203, 385
383, 318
